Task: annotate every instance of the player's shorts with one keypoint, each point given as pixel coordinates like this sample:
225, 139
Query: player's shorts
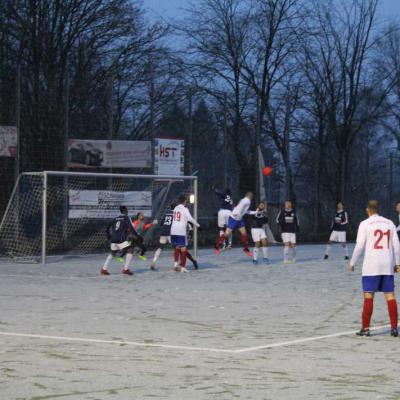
288, 237
178, 240
235, 224
165, 239
120, 246
378, 283
258, 234
223, 217
337, 236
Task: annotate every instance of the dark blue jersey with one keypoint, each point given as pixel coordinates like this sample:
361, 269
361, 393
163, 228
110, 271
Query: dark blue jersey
119, 229
341, 221
259, 219
226, 199
288, 221
165, 225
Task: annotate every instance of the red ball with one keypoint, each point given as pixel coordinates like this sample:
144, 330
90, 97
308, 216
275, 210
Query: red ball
267, 171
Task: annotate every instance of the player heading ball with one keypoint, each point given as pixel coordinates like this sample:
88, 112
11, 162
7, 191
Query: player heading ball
377, 236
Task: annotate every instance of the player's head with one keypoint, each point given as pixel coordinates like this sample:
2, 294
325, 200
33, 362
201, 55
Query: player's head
173, 205
140, 216
261, 205
249, 195
228, 192
123, 210
288, 205
182, 199
340, 206
372, 207
398, 207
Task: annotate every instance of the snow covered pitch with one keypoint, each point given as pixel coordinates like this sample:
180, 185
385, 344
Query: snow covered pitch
229, 330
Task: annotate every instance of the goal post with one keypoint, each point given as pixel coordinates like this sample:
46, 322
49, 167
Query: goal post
65, 212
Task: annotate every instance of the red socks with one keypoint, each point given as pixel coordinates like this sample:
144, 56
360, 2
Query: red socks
244, 239
184, 254
393, 315
367, 312
177, 252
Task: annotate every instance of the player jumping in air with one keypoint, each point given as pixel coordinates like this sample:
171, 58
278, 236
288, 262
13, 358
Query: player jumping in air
117, 234
378, 238
165, 238
339, 228
224, 212
235, 221
179, 228
288, 221
258, 234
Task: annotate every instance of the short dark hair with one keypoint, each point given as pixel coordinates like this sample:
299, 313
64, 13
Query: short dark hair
123, 209
182, 198
373, 206
173, 205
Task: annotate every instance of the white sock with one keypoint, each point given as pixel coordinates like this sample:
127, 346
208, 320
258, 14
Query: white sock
255, 253
286, 250
157, 255
265, 251
328, 249
108, 261
128, 260
346, 250
294, 252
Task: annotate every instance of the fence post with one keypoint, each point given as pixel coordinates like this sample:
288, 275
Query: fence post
44, 217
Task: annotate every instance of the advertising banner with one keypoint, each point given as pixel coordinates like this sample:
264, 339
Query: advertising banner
169, 157
108, 154
105, 203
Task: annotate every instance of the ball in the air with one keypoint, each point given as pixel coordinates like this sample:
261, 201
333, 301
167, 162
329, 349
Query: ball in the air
267, 171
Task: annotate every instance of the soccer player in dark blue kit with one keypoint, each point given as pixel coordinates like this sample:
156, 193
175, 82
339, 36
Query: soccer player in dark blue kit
117, 234
288, 221
224, 212
338, 232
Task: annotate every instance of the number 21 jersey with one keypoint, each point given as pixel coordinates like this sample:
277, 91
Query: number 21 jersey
377, 235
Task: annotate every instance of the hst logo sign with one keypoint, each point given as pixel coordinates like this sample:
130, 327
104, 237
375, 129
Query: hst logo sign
169, 151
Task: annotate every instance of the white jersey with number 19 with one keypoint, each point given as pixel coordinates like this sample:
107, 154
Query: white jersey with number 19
181, 219
378, 237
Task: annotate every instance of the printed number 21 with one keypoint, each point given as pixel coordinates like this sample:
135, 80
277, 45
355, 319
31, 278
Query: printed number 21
380, 234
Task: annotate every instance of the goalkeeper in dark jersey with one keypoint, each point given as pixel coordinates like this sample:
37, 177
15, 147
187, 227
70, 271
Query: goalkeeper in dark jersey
117, 234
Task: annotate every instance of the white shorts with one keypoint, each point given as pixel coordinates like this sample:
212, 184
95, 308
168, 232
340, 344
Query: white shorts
337, 236
223, 216
119, 246
258, 234
165, 239
289, 238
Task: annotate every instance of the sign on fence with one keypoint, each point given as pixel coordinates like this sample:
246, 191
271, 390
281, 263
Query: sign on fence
106, 203
108, 154
169, 157
8, 141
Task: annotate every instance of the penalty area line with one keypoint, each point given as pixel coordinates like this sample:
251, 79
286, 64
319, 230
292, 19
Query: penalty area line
304, 340
117, 342
186, 348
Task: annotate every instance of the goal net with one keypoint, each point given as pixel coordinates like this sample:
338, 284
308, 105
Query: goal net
61, 213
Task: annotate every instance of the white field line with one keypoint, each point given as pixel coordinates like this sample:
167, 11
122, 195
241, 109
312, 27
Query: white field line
187, 348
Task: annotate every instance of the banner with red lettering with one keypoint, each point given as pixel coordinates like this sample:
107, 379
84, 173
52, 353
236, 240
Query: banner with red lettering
169, 157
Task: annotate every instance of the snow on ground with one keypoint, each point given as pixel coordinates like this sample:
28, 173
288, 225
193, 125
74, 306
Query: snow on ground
211, 324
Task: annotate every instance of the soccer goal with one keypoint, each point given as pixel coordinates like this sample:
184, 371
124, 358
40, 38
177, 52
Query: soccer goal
61, 213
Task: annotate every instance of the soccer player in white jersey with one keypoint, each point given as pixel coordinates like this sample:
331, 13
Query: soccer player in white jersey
339, 228
235, 221
179, 229
377, 236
